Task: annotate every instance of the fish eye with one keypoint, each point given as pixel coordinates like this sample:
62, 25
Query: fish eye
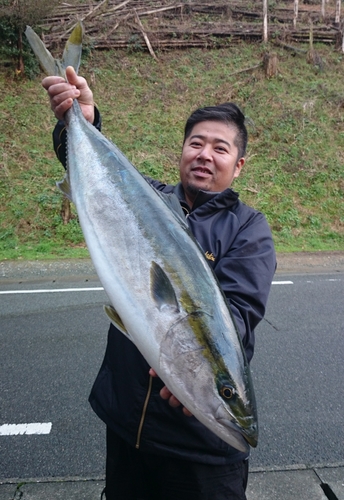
227, 392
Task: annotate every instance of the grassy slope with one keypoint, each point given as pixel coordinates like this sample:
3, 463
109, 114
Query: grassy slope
294, 172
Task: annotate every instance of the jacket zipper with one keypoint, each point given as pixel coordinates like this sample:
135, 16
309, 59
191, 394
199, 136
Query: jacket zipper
137, 446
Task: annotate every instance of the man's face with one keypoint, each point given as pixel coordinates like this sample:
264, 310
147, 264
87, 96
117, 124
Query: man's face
209, 159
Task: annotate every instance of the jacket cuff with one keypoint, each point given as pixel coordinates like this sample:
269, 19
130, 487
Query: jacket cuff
60, 137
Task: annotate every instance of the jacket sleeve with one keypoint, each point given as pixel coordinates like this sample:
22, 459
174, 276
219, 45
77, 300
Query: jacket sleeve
245, 274
60, 137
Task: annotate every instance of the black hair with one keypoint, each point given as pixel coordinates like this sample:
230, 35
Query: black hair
228, 113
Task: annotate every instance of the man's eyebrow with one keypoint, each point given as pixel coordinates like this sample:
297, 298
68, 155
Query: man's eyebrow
199, 136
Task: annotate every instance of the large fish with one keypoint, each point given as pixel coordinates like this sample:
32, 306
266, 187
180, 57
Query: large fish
164, 296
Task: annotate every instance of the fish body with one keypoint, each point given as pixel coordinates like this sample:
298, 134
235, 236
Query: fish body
164, 296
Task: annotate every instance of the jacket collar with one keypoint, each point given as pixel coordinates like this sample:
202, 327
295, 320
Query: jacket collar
218, 200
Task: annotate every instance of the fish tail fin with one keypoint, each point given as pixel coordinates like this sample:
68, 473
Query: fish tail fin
50, 65
71, 54
73, 48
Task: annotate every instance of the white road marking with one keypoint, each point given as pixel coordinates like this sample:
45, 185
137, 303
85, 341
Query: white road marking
55, 290
100, 289
16, 429
95, 289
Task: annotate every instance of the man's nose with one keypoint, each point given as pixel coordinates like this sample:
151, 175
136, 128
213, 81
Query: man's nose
205, 153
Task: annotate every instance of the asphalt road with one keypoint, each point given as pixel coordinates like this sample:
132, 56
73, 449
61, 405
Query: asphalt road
52, 344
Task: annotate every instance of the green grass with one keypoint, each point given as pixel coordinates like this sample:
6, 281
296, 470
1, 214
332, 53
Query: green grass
294, 171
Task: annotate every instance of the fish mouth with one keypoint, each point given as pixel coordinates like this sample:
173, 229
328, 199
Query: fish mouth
248, 432
250, 435
252, 440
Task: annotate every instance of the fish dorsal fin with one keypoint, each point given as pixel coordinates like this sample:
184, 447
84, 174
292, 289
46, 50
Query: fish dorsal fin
161, 289
116, 320
173, 204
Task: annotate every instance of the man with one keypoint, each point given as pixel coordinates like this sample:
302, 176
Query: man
155, 449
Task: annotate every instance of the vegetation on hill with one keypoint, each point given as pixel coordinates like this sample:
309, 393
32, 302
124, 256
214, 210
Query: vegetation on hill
294, 171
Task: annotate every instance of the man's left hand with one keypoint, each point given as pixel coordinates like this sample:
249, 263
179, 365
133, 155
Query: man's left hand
165, 393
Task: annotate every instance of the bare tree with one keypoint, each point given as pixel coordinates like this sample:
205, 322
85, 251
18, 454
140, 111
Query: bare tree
15, 15
323, 4
338, 7
296, 12
265, 21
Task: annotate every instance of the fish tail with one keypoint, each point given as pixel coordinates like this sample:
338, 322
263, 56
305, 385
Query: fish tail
71, 54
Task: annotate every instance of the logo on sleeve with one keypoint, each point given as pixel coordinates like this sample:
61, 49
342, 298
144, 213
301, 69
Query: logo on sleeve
209, 256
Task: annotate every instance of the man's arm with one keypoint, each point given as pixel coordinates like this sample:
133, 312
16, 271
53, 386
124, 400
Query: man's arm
245, 274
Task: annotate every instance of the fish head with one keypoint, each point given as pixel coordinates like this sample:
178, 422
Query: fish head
237, 409
209, 374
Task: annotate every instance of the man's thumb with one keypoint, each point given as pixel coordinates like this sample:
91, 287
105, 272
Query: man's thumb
71, 75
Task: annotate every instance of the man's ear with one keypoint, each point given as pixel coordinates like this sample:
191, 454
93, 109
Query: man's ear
238, 167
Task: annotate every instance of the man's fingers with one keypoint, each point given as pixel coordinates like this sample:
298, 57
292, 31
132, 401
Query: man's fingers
173, 401
166, 394
186, 412
57, 98
61, 94
61, 109
71, 75
51, 80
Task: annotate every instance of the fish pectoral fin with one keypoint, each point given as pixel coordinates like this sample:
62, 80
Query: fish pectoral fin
161, 288
116, 320
64, 186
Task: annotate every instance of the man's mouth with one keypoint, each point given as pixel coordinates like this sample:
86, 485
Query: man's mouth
201, 171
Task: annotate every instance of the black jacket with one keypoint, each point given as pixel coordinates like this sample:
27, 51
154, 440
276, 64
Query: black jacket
238, 244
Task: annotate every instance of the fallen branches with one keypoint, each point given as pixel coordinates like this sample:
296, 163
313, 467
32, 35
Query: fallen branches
245, 70
169, 25
151, 51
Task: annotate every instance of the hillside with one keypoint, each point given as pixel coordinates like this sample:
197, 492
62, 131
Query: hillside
294, 171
